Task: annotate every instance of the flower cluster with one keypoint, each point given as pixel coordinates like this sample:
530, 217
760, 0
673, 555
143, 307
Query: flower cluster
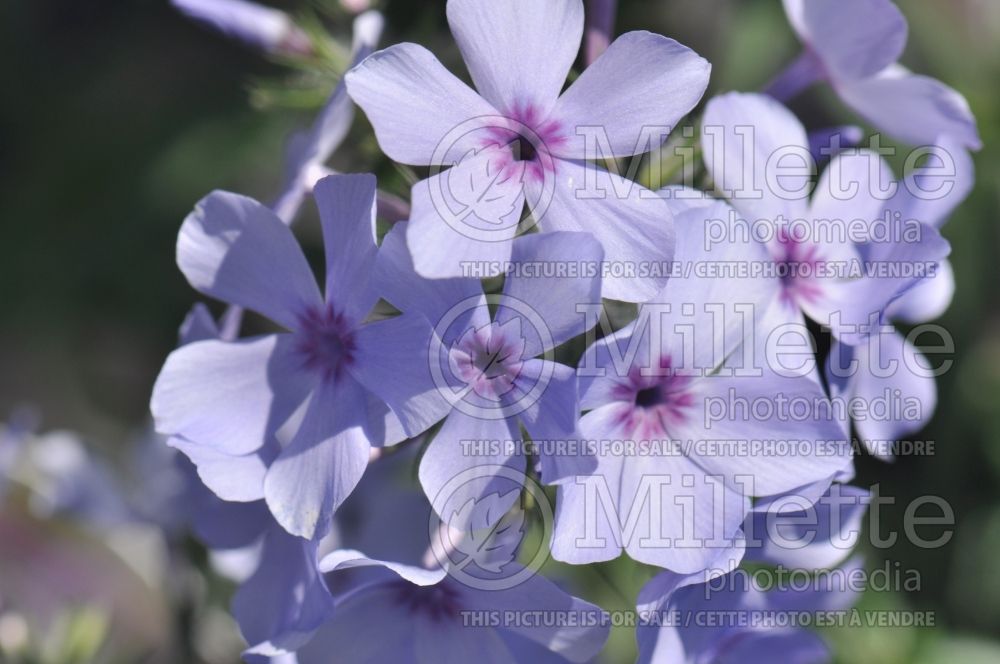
684, 369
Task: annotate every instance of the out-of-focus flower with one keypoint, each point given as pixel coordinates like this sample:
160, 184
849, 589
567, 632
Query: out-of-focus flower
266, 28
887, 370
347, 383
854, 45
600, 27
519, 134
310, 150
726, 616
930, 194
355, 6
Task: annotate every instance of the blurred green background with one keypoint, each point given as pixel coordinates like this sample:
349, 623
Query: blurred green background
118, 115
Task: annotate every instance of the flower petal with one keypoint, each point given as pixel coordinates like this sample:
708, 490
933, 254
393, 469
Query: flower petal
463, 464
229, 396
519, 52
698, 297
347, 210
232, 478
285, 600
414, 103
393, 361
806, 539
578, 638
370, 626
643, 81
323, 462
633, 225
928, 300
566, 275
732, 416
552, 420
854, 186
891, 269
931, 192
662, 509
397, 281
236, 250
895, 385
450, 234
745, 138
854, 38
916, 109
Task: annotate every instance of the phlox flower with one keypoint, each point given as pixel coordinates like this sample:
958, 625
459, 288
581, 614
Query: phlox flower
833, 268
411, 615
495, 372
520, 139
673, 406
338, 375
855, 45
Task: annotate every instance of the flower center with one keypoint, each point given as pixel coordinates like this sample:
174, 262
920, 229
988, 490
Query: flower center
798, 264
438, 602
524, 149
529, 137
659, 402
325, 341
648, 397
488, 360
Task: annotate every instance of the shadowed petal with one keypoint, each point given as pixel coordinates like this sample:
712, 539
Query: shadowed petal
393, 362
236, 250
579, 638
323, 462
397, 281
347, 210
229, 396
285, 600
548, 298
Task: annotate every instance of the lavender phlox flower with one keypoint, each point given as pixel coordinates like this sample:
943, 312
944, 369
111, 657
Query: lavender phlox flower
834, 267
855, 45
403, 613
673, 405
495, 372
324, 391
519, 140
